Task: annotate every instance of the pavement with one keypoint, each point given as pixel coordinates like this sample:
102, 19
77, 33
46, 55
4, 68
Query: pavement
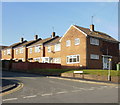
8, 86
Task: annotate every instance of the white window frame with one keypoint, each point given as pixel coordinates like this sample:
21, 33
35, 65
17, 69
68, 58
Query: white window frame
21, 50
4, 52
72, 57
94, 41
57, 60
94, 56
37, 59
8, 52
16, 51
68, 43
37, 49
49, 48
57, 47
77, 41
30, 51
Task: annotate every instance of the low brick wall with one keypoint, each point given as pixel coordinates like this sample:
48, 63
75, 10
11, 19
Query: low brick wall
115, 79
34, 65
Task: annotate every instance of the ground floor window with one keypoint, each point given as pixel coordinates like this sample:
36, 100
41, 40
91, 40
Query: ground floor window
73, 59
47, 59
56, 60
37, 59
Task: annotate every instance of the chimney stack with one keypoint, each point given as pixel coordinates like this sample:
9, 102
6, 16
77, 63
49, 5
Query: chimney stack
53, 34
92, 27
21, 40
36, 37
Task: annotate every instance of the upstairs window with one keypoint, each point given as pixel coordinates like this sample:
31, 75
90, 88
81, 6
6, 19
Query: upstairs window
68, 43
57, 47
77, 41
4, 52
37, 49
8, 52
21, 50
94, 56
16, 51
30, 50
94, 41
49, 48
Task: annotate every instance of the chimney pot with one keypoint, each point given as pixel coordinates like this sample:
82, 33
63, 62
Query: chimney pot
21, 40
92, 27
53, 34
36, 37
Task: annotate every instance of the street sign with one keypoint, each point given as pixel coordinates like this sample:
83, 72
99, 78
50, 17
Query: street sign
78, 71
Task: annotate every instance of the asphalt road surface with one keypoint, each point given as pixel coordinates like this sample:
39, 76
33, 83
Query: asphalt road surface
41, 89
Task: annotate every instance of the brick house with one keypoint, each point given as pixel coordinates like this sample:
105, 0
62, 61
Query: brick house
8, 53
53, 51
21, 51
83, 47
2, 47
36, 51
78, 47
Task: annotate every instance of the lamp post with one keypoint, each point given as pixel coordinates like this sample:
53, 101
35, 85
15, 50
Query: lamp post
109, 74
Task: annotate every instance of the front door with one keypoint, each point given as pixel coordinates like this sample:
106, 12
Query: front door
105, 63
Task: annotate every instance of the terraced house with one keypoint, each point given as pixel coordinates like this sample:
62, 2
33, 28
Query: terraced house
36, 51
78, 47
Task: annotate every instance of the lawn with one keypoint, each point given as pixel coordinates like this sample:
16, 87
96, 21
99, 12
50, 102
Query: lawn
98, 72
86, 71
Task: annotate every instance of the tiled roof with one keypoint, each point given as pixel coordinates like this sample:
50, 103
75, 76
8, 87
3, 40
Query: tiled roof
43, 41
53, 41
29, 42
96, 34
14, 45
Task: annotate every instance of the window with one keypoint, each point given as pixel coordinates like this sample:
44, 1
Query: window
47, 59
94, 41
16, 51
68, 43
37, 59
21, 50
77, 41
57, 47
56, 60
37, 49
30, 50
4, 52
94, 56
49, 48
73, 59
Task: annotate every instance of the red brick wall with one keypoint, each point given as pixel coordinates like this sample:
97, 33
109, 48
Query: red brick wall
34, 65
73, 49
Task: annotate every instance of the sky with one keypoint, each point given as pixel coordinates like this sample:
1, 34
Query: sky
25, 19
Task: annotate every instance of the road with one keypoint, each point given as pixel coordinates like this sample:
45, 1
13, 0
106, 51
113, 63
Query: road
41, 89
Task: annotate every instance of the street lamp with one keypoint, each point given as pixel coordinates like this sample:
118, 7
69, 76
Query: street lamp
109, 75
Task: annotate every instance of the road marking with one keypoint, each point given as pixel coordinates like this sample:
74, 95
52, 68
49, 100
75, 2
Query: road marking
46, 94
10, 99
20, 85
90, 89
30, 96
76, 90
61, 92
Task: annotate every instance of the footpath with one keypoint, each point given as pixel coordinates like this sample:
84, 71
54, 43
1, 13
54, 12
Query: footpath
8, 86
